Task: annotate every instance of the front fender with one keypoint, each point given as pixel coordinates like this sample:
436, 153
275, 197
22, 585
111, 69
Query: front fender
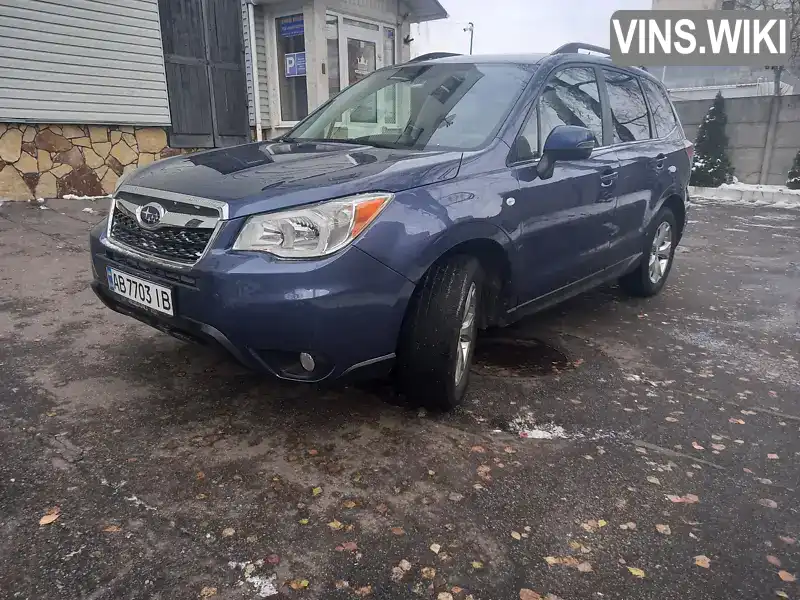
417, 228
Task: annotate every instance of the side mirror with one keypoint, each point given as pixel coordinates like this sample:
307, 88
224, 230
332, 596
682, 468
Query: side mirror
565, 142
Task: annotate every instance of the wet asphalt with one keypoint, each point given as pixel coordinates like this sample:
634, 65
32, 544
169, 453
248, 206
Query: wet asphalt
166, 471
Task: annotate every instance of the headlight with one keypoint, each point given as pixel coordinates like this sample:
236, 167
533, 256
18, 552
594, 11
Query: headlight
312, 231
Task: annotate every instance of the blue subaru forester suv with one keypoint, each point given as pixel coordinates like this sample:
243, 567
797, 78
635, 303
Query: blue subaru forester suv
423, 203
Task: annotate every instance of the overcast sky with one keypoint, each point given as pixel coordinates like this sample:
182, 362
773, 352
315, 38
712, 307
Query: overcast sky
521, 26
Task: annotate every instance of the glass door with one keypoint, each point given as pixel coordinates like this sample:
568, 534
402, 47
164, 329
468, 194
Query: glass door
360, 53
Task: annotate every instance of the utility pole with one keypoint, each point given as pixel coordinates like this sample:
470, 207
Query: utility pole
471, 28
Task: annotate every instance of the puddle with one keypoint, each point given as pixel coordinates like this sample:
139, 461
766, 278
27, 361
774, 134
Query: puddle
510, 357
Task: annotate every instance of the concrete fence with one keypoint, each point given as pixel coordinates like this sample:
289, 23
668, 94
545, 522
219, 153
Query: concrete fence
764, 134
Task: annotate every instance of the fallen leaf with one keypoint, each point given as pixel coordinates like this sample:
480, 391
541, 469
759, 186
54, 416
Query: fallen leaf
718, 446
663, 529
773, 560
636, 572
630, 525
335, 525
516, 535
478, 449
653, 480
428, 572
691, 499
382, 508
228, 532
697, 446
551, 560
341, 584
444, 596
671, 419
786, 576
347, 546
736, 421
456, 590
787, 540
702, 561
476, 564
50, 516
456, 497
435, 548
349, 504
398, 531
747, 412
298, 584
112, 529
200, 476
781, 594
772, 456
404, 565
483, 472
316, 491
303, 521
201, 496
526, 594
585, 567
273, 559
313, 452
601, 523
208, 592
509, 450
363, 591
768, 503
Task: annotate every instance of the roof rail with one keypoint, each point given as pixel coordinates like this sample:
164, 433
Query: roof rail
574, 47
433, 56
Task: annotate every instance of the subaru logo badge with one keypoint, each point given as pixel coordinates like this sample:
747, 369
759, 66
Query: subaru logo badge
150, 215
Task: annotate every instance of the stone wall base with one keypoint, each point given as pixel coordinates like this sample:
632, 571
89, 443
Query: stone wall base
49, 161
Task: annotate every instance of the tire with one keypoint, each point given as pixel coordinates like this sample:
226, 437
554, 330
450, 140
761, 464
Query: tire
428, 367
648, 278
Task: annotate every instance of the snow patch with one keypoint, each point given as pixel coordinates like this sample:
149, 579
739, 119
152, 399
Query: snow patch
525, 425
746, 194
264, 585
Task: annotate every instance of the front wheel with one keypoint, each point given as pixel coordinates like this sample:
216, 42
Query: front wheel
439, 332
650, 276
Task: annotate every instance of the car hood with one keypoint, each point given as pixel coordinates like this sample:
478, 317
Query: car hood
268, 176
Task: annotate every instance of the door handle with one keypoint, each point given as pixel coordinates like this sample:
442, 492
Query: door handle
609, 179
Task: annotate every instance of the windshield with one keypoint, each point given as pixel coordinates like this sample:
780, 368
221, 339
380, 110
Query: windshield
425, 107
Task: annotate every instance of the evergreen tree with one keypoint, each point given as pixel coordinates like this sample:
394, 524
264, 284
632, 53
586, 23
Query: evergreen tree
712, 167
793, 181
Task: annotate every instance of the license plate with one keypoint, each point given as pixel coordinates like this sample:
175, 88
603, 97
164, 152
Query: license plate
140, 291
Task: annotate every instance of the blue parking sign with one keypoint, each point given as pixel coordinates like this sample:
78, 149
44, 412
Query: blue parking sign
296, 64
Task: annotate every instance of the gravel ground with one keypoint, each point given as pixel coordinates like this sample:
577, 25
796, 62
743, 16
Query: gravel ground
668, 468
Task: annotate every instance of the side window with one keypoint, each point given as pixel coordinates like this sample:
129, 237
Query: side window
570, 97
663, 115
628, 108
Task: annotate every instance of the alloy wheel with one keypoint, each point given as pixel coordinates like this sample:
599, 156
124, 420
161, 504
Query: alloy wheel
466, 335
660, 252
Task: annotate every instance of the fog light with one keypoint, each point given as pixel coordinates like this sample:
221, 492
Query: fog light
307, 361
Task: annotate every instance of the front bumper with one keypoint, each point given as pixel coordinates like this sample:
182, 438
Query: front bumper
345, 310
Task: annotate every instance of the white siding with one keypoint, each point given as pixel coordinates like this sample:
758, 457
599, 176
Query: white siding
82, 61
263, 67
261, 60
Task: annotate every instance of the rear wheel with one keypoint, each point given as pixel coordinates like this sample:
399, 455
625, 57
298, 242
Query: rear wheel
651, 274
439, 333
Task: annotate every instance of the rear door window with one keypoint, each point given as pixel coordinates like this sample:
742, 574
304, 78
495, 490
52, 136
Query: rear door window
630, 119
660, 107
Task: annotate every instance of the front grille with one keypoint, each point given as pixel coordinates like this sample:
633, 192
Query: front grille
181, 244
